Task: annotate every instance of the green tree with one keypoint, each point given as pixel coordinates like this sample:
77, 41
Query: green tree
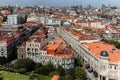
38, 68
70, 73
104, 40
41, 70
38, 65
68, 77
1, 78
80, 73
78, 62
9, 66
62, 78
3, 60
117, 44
60, 70
44, 70
22, 70
49, 67
110, 41
27, 64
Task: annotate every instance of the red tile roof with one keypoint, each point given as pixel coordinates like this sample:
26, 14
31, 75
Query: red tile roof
96, 47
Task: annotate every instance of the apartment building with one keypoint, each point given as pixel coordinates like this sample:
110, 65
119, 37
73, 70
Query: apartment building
7, 43
74, 38
34, 45
58, 54
21, 51
110, 32
15, 19
53, 21
92, 23
103, 58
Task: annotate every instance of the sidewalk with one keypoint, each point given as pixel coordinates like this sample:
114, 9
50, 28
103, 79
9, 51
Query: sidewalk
90, 75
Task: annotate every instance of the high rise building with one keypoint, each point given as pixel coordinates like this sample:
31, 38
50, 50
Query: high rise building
15, 19
103, 8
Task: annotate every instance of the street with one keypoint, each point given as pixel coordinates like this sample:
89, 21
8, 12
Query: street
90, 75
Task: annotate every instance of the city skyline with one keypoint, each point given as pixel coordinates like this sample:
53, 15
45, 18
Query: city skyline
57, 3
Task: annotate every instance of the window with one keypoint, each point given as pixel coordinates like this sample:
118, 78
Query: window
115, 67
22, 56
1, 54
102, 67
36, 45
110, 66
36, 50
28, 49
33, 45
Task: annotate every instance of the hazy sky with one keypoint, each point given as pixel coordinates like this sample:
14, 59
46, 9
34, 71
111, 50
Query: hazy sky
61, 2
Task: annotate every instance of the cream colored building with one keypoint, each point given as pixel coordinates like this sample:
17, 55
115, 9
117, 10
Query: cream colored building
102, 58
92, 23
65, 62
74, 38
34, 45
58, 54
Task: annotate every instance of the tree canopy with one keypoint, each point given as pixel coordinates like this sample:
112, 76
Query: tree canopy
80, 73
3, 60
27, 64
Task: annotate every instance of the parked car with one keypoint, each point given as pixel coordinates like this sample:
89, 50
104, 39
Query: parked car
87, 66
95, 73
90, 69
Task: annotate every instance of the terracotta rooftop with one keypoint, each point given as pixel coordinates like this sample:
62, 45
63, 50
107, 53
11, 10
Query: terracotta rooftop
58, 40
59, 50
8, 36
52, 46
5, 12
81, 36
55, 77
96, 47
37, 38
86, 21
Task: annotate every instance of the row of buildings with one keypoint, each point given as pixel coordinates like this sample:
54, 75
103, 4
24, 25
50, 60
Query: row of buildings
101, 57
63, 29
44, 49
12, 36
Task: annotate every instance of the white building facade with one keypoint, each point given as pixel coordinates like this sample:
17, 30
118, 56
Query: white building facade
106, 65
66, 63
